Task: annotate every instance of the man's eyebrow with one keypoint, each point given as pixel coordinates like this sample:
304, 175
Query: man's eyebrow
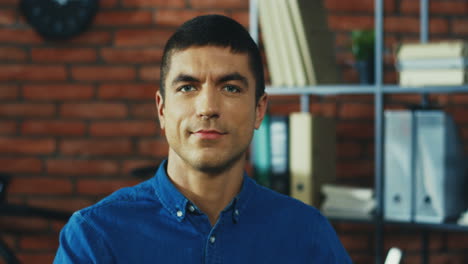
184, 78
234, 77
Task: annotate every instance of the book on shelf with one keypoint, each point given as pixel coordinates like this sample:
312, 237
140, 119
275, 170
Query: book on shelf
463, 220
439, 168
279, 147
298, 45
312, 155
433, 77
399, 144
261, 153
430, 64
433, 64
348, 202
432, 50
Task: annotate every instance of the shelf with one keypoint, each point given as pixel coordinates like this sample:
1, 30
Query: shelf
359, 89
448, 226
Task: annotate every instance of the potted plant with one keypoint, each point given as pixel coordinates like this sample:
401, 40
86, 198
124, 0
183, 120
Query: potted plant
362, 47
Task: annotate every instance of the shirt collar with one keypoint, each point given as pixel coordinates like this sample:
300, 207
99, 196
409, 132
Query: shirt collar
178, 205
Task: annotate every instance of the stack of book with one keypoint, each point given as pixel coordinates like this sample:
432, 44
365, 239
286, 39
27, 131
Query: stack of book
348, 202
463, 220
433, 64
298, 45
295, 155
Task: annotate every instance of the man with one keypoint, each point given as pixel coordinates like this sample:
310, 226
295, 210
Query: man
201, 207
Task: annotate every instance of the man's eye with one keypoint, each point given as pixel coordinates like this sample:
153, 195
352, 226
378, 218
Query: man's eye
186, 88
231, 89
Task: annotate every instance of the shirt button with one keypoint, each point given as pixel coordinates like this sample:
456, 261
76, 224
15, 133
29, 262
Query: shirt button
236, 212
191, 208
212, 239
179, 214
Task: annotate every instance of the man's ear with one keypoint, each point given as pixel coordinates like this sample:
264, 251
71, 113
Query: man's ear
160, 107
260, 110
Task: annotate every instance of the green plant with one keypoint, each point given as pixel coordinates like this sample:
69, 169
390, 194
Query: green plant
362, 44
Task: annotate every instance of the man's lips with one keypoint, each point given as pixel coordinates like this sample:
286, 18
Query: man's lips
208, 134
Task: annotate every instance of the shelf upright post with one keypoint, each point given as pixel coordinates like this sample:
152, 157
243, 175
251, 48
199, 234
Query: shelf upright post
253, 20
378, 101
424, 37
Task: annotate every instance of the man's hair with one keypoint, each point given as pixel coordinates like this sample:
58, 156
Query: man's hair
214, 30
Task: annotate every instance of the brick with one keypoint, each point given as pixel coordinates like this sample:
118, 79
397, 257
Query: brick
93, 110
459, 98
130, 165
140, 55
436, 7
323, 109
150, 73
12, 145
347, 22
284, 108
144, 111
356, 242
12, 54
350, 6
355, 169
9, 91
9, 2
127, 91
460, 26
20, 165
405, 98
411, 25
242, 17
60, 203
103, 187
124, 128
76, 167
53, 127
459, 114
175, 17
153, 3
108, 3
155, 148
58, 91
103, 73
23, 224
41, 242
349, 149
63, 55
227, 4
95, 147
19, 36
7, 127
142, 37
458, 241
26, 110
36, 257
22, 72
41, 185
357, 111
93, 38
7, 17
123, 18
353, 130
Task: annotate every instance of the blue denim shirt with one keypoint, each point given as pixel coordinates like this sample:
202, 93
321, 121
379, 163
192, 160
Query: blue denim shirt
154, 223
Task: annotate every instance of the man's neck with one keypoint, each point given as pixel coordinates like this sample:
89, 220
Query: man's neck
210, 192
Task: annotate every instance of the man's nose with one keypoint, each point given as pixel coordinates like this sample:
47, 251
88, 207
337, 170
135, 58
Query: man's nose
208, 103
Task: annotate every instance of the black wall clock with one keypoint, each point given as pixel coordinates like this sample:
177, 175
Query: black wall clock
59, 19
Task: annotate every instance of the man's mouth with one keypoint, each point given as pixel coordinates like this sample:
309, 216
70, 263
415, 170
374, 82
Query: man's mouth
208, 134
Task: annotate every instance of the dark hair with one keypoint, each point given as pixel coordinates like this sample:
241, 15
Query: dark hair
215, 30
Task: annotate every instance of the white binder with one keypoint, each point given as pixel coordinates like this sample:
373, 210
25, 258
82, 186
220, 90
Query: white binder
398, 165
439, 168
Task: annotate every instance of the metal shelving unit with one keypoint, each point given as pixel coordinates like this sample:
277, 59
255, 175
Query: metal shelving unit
378, 90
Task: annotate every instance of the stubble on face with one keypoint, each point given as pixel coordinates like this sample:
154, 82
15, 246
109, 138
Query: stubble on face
233, 115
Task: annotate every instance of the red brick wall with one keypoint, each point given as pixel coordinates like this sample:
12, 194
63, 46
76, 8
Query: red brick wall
77, 116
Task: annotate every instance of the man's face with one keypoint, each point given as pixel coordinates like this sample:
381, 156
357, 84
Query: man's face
209, 110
